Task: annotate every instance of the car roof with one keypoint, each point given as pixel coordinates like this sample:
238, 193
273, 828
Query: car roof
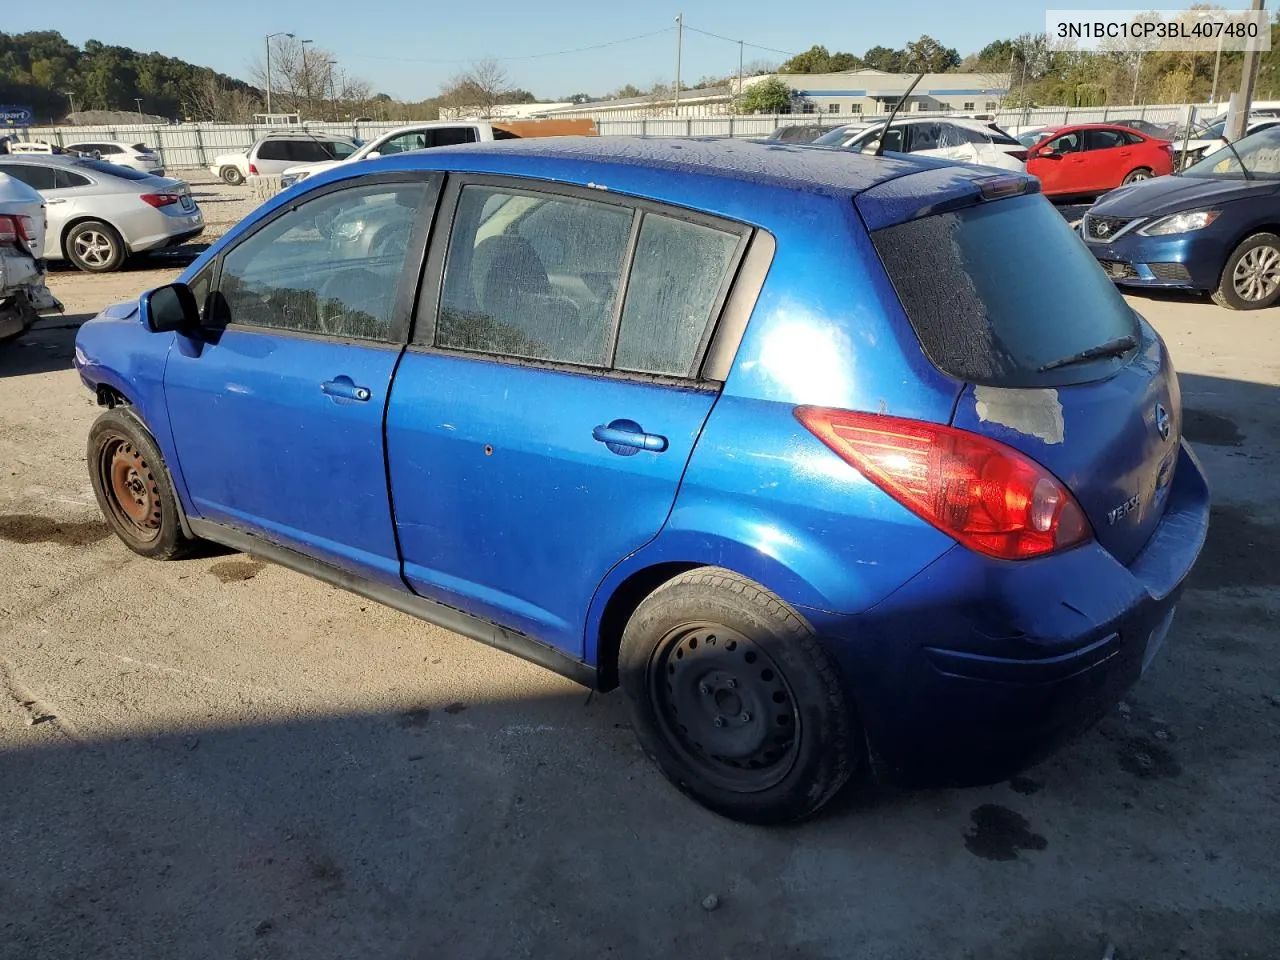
804, 167
303, 134
45, 159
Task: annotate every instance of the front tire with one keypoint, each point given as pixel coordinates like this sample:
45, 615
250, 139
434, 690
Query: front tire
95, 247
232, 175
735, 700
133, 487
1251, 277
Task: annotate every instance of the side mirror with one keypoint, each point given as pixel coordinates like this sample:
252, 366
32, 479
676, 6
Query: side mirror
1049, 155
373, 155
172, 307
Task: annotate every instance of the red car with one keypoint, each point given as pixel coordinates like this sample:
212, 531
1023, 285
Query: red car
1092, 158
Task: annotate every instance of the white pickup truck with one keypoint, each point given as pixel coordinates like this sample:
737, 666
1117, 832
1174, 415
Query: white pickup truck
23, 294
443, 133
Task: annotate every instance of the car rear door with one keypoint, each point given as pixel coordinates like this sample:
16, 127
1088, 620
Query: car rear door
276, 407
543, 414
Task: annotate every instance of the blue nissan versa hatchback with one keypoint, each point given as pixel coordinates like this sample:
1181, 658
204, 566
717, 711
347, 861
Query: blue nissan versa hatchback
836, 464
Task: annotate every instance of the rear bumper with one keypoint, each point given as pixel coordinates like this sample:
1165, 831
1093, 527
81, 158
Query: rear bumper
1148, 260
180, 230
977, 668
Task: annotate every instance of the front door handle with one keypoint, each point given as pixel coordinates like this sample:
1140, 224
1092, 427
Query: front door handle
345, 388
626, 438
50, 200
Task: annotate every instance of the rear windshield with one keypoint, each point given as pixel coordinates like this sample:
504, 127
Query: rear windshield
998, 290
112, 169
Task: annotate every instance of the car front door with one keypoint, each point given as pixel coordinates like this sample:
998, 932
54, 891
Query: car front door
1059, 165
1107, 159
542, 416
276, 406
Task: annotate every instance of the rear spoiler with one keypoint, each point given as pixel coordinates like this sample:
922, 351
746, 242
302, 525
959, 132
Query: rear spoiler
936, 190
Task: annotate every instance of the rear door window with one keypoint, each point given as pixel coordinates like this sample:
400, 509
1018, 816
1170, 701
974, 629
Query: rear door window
274, 150
36, 177
1103, 139
65, 179
996, 291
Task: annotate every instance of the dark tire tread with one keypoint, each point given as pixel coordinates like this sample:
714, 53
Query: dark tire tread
839, 758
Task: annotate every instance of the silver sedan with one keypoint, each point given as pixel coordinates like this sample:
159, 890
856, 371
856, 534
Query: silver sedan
100, 213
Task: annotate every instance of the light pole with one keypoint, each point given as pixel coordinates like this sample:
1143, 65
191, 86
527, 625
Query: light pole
306, 73
138, 101
72, 97
679, 42
270, 37
333, 107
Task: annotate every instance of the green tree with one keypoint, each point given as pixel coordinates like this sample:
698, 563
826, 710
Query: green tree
882, 58
818, 60
927, 55
767, 96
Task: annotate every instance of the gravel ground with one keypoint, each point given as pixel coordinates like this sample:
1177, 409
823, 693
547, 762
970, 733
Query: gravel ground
218, 758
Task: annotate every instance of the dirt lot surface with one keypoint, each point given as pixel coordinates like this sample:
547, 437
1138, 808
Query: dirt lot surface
218, 758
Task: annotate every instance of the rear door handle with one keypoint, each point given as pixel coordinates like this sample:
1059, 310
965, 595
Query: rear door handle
626, 438
345, 388
54, 200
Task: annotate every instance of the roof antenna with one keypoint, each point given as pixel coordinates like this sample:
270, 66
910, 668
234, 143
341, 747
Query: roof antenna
896, 107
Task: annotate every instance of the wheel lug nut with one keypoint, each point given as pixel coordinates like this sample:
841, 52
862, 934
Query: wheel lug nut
746, 717
704, 689
718, 721
732, 684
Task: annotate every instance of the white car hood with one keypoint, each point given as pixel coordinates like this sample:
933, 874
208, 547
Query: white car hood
312, 168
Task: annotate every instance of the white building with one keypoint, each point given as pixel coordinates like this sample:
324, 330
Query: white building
852, 93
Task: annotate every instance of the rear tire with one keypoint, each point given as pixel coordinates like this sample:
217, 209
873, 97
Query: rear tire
95, 247
1251, 277
133, 487
232, 175
1142, 173
735, 700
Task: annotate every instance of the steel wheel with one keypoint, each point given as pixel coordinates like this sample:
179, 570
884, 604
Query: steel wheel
95, 248
132, 492
1257, 274
725, 705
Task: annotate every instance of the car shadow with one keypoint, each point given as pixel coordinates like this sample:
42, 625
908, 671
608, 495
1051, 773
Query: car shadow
47, 346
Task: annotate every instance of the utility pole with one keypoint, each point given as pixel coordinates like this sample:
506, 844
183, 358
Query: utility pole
1238, 121
1217, 62
739, 68
270, 37
138, 101
306, 76
679, 41
72, 97
1136, 74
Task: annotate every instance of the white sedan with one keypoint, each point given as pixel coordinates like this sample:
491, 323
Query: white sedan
966, 141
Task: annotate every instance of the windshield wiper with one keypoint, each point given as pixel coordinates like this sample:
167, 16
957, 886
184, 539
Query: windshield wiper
1112, 348
1243, 169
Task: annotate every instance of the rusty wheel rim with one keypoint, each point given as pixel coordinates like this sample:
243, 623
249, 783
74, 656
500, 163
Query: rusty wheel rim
131, 488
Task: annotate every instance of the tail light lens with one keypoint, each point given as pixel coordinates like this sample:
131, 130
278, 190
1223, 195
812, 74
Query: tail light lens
16, 228
989, 497
253, 169
161, 199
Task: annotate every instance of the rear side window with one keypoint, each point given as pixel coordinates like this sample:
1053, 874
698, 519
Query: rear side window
141, 148
340, 149
996, 291
676, 281
500, 134
451, 136
64, 179
274, 150
1103, 139
1132, 139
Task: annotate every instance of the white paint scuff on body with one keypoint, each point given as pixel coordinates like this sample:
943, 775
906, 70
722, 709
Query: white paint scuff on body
1037, 413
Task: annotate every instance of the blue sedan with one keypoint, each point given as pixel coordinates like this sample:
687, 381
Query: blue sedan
1213, 228
768, 436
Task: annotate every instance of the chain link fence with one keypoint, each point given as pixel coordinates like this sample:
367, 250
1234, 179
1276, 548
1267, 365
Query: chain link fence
190, 146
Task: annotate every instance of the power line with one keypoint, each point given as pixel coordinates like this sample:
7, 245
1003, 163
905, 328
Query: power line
527, 56
753, 46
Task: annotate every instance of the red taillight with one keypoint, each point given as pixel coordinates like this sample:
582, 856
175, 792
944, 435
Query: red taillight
989, 497
253, 170
161, 199
15, 227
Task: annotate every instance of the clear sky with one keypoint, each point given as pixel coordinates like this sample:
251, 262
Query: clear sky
398, 45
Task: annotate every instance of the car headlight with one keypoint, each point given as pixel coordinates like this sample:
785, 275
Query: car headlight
289, 179
1180, 223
